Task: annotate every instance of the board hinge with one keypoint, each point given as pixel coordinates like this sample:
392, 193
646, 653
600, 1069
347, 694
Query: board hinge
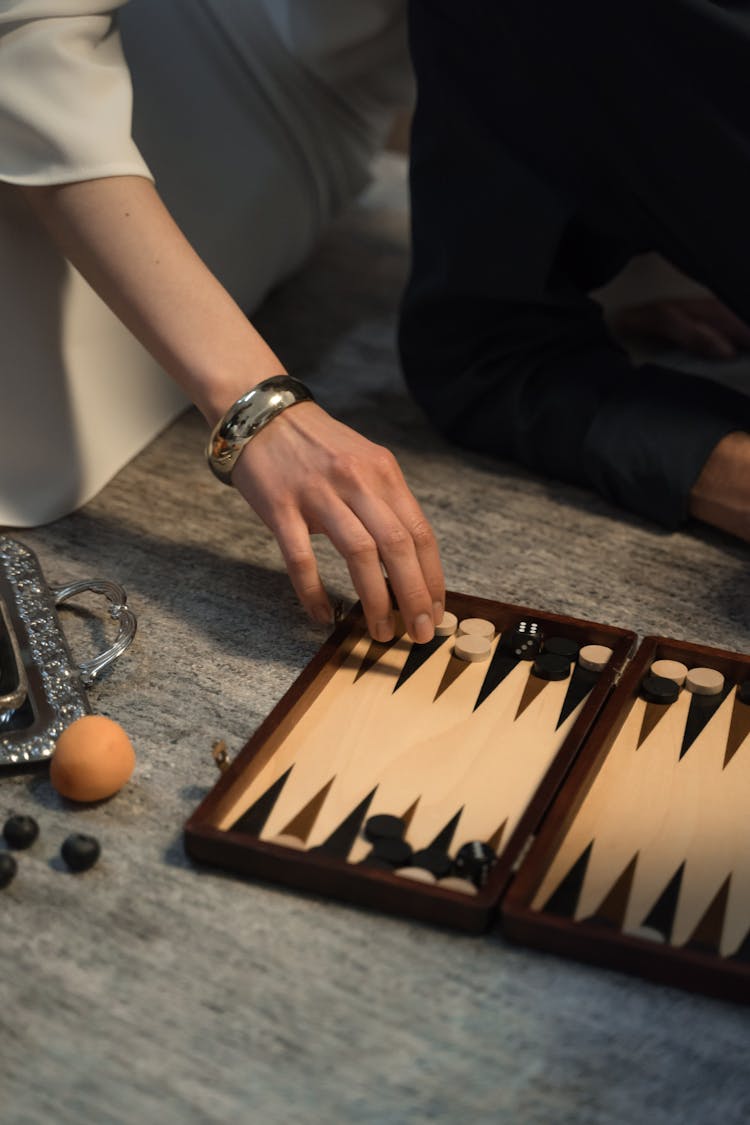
523, 852
619, 673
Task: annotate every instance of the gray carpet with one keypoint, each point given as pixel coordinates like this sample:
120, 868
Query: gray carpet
149, 991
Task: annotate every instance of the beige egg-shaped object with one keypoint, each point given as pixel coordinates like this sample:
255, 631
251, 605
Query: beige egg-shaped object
93, 759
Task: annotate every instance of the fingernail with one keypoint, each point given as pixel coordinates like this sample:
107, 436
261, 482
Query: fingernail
323, 614
438, 612
384, 629
424, 629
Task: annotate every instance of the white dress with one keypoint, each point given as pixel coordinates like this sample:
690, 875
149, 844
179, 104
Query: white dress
256, 118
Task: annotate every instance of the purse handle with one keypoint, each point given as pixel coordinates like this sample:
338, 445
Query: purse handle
118, 609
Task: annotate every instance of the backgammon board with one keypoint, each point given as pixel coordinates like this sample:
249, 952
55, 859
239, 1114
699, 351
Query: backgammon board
644, 861
640, 860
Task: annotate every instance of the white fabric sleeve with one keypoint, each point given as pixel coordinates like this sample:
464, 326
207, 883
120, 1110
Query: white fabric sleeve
65, 93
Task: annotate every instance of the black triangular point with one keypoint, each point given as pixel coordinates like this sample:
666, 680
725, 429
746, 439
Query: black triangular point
581, 683
444, 838
564, 900
253, 819
409, 814
700, 712
375, 651
613, 907
743, 953
301, 824
706, 936
661, 915
340, 842
739, 725
501, 665
418, 655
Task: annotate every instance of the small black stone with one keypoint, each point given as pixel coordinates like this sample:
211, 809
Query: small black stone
80, 852
743, 692
384, 827
20, 831
395, 852
562, 646
551, 666
8, 868
658, 689
434, 860
474, 862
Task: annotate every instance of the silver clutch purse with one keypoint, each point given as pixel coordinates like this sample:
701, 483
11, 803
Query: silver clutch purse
42, 689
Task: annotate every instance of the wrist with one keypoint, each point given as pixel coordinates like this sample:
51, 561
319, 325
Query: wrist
247, 416
721, 494
216, 394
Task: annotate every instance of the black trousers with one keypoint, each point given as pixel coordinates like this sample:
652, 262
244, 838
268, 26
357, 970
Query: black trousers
552, 142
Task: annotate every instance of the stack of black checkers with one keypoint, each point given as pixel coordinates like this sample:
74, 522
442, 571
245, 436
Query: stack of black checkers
389, 848
555, 660
391, 852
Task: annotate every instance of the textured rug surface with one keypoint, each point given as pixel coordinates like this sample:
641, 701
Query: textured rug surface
150, 991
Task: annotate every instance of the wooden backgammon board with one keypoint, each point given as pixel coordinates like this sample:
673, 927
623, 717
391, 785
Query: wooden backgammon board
406, 778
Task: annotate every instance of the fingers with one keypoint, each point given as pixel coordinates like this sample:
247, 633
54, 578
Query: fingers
703, 339
321, 476
293, 538
695, 335
364, 537
425, 544
701, 325
406, 543
712, 312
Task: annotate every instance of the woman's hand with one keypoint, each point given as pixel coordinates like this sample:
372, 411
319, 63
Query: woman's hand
307, 474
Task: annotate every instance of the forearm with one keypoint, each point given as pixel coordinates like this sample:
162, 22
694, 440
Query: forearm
120, 236
721, 494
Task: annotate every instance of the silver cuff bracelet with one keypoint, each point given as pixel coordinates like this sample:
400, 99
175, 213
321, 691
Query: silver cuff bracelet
247, 417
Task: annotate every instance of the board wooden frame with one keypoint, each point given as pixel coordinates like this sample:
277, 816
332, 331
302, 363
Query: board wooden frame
686, 968
249, 855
